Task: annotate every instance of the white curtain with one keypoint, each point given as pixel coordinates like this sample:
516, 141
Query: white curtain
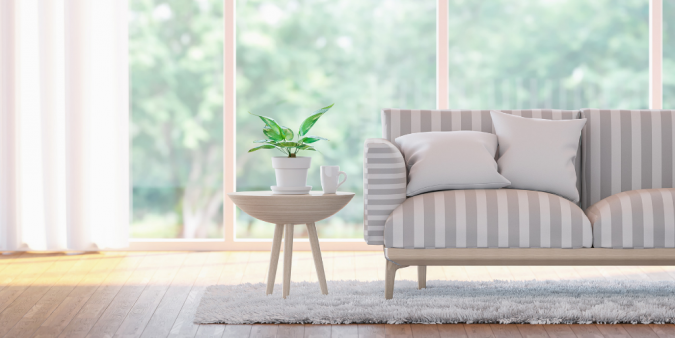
64, 116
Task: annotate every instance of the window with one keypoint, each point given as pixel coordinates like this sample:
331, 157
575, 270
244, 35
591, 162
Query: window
175, 60
291, 57
548, 54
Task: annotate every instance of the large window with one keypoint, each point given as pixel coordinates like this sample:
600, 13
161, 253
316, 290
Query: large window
198, 67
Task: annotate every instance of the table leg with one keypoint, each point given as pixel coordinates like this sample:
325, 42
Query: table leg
288, 258
274, 257
316, 252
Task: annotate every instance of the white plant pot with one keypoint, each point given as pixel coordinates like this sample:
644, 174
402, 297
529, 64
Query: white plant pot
291, 172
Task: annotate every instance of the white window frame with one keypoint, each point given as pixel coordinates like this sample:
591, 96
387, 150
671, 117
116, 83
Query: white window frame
229, 242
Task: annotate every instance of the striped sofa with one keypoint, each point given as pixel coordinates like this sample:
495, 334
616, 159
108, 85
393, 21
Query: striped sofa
626, 175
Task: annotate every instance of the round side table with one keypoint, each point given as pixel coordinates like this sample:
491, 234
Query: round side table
286, 211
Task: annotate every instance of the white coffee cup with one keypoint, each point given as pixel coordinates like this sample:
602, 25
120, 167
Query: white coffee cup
330, 175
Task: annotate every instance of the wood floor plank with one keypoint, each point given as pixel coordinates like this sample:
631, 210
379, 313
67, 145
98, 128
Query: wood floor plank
44, 308
559, 331
141, 312
664, 330
113, 316
302, 266
20, 306
69, 307
633, 273
345, 331
589, 273
209, 275
397, 331
168, 309
433, 273
586, 331
257, 267
291, 331
457, 273
478, 273
365, 263
640, 331
532, 331
656, 273
425, 330
613, 331
11, 268
344, 265
236, 331
612, 273
505, 331
317, 331
500, 273
371, 330
20, 276
452, 331
545, 272
522, 273
264, 331
478, 331
566, 272
213, 331
94, 306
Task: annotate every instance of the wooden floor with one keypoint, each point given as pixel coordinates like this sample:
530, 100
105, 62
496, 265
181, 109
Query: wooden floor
155, 294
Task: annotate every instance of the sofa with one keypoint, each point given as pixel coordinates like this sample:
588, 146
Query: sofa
625, 168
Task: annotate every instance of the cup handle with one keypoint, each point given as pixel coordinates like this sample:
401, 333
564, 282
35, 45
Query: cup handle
343, 181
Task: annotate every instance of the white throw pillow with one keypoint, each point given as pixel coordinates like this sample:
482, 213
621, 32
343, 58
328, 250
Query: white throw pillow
536, 154
450, 160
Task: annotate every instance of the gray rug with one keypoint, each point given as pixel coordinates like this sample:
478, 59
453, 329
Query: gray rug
535, 302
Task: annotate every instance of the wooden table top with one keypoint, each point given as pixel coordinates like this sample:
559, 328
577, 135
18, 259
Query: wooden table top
290, 209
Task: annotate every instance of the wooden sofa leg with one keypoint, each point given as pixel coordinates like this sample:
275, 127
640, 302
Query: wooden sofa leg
389, 277
422, 277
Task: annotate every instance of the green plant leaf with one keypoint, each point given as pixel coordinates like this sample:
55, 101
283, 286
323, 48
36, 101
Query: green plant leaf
272, 134
288, 133
263, 141
310, 121
306, 147
312, 139
287, 144
264, 146
269, 122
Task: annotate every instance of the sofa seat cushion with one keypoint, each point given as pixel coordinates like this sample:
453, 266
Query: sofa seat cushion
643, 218
495, 218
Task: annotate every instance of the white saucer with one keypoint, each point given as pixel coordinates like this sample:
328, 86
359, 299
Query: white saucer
291, 190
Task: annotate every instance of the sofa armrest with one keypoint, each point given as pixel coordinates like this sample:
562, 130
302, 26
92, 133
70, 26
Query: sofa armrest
384, 186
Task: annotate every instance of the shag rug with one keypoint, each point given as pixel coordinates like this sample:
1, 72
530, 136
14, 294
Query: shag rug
535, 302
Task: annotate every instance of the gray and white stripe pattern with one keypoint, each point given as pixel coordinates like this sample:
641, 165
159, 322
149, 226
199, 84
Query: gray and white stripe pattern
398, 122
626, 150
495, 218
642, 218
384, 186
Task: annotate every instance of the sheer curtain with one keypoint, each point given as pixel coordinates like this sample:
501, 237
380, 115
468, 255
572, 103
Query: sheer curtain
64, 117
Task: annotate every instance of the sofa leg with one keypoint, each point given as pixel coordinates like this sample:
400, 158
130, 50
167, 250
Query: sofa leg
389, 277
422, 277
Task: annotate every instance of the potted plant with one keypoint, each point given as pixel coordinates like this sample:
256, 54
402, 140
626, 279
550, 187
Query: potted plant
290, 169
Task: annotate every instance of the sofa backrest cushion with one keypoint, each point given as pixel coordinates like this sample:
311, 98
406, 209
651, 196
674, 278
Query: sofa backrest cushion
398, 122
626, 150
